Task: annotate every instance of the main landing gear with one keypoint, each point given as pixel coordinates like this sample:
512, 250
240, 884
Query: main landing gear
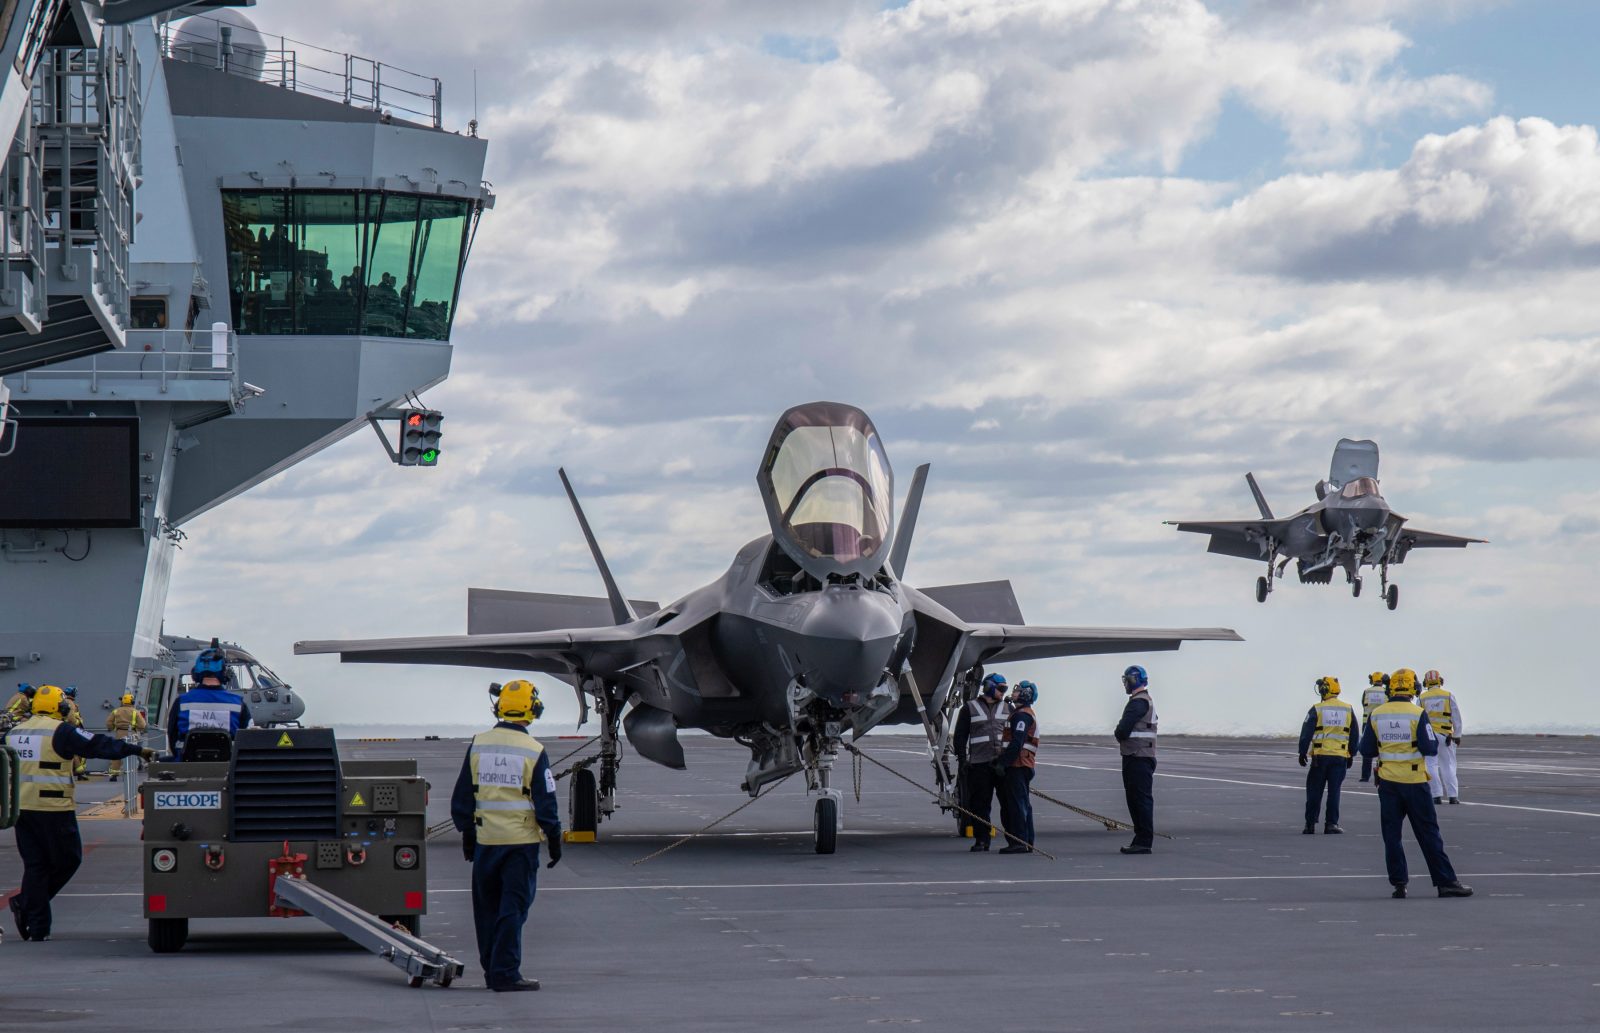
1274, 570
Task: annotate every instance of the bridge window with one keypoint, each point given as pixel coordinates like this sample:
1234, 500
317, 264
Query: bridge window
344, 262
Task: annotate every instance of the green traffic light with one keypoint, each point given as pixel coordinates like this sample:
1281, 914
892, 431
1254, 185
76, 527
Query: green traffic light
430, 457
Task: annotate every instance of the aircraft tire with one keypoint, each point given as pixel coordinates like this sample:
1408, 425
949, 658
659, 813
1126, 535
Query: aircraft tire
1355, 589
827, 826
1392, 597
1261, 589
168, 935
585, 801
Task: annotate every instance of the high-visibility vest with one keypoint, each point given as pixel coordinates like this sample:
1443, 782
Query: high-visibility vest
986, 730
124, 720
502, 762
207, 709
1141, 742
1374, 696
46, 775
1336, 724
1030, 745
1441, 708
74, 717
1395, 726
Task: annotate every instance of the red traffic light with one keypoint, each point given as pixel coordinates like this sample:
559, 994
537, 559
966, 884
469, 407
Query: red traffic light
414, 419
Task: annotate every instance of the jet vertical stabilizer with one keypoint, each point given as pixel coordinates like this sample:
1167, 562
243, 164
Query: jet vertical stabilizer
908, 522
621, 609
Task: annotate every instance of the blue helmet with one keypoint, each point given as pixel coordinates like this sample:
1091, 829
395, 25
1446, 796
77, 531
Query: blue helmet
1026, 693
210, 662
1135, 678
993, 683
71, 692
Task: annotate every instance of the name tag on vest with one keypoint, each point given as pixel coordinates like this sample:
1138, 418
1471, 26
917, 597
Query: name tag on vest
500, 769
202, 716
1393, 729
29, 745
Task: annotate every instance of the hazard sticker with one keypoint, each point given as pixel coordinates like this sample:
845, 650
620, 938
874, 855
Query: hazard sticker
284, 740
357, 800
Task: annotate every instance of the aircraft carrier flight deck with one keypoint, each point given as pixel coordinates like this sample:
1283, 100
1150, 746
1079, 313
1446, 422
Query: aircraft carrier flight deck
1237, 923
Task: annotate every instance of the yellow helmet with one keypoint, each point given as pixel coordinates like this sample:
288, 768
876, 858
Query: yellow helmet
1377, 678
518, 701
1403, 682
127, 699
49, 699
1328, 686
1432, 678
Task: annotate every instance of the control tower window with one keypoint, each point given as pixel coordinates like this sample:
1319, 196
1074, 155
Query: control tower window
148, 313
336, 262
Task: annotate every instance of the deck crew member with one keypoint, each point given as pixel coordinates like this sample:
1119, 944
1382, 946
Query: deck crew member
1136, 740
208, 705
22, 701
80, 766
1444, 714
1399, 736
1022, 747
125, 722
979, 738
47, 825
1329, 735
1376, 694
505, 806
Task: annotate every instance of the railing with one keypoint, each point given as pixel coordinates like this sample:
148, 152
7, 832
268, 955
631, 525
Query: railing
159, 357
305, 68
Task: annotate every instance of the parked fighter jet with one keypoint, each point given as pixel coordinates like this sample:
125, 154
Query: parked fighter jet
1350, 526
809, 636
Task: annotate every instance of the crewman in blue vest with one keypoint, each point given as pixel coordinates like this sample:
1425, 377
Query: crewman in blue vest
979, 739
47, 827
1328, 734
1401, 739
1022, 747
505, 805
208, 705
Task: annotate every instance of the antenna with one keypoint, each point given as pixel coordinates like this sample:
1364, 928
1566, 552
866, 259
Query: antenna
472, 126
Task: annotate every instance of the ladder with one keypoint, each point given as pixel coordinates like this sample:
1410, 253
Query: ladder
419, 960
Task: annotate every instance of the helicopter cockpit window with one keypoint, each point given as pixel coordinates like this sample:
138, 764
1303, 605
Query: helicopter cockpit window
832, 487
242, 678
1359, 488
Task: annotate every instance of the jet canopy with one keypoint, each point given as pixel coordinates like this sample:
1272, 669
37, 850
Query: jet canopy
828, 489
1361, 487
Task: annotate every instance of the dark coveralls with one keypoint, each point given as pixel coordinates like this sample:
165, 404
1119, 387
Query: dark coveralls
1138, 775
504, 876
48, 841
1413, 801
1017, 812
1323, 772
980, 784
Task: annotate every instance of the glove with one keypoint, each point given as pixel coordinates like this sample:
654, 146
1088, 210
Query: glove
1349, 762
1302, 760
1454, 740
147, 754
469, 844
998, 767
555, 850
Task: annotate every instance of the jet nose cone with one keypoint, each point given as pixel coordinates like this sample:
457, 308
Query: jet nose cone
849, 637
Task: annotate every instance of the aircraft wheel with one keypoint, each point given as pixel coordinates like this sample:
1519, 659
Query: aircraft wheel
1355, 588
168, 935
1393, 596
827, 825
1261, 590
585, 801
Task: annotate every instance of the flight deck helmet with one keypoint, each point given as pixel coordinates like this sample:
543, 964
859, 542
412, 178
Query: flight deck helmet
993, 685
1432, 679
1403, 682
127, 699
71, 692
1135, 678
518, 701
1378, 678
1025, 694
211, 663
50, 701
1328, 686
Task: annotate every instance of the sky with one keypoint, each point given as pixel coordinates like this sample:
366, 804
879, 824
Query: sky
1092, 259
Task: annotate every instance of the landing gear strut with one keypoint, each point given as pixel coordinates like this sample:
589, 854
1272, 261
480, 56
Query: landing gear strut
1264, 584
1391, 593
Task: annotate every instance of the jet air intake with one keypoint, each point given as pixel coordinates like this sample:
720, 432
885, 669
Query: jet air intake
828, 489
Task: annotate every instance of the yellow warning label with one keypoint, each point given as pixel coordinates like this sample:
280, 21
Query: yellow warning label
357, 801
284, 740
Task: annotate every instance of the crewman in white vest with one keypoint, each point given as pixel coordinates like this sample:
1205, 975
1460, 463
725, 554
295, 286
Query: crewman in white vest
1444, 714
1329, 736
47, 827
505, 805
1375, 695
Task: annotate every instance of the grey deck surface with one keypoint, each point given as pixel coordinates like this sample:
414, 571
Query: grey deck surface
1240, 924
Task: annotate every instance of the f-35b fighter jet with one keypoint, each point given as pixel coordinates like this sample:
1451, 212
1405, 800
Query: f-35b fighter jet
809, 637
1350, 526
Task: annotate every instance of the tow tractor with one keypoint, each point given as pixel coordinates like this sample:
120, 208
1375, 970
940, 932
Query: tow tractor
272, 824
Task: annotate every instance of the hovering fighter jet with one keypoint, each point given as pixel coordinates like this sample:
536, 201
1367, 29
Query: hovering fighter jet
1350, 526
810, 635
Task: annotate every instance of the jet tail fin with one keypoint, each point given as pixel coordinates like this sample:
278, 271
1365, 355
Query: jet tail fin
621, 609
908, 522
1261, 500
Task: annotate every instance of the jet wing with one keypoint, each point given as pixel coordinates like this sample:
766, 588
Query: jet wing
1408, 538
603, 652
1004, 643
1242, 538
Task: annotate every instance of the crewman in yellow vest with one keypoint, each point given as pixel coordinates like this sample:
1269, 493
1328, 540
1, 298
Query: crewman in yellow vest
1375, 695
47, 827
1400, 737
1329, 734
1022, 747
505, 806
125, 722
80, 766
1444, 714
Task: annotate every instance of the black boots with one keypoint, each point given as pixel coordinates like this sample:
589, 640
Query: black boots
1331, 829
1455, 889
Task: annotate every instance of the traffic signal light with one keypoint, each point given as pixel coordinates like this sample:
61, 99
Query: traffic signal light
419, 437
